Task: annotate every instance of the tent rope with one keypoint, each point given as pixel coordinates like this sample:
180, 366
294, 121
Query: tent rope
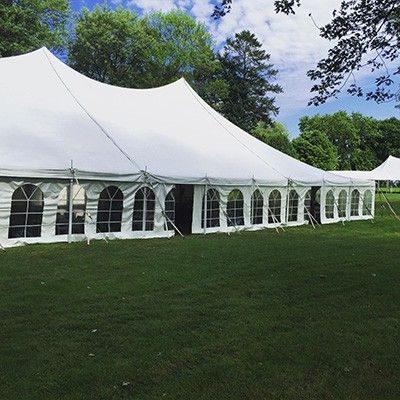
92, 118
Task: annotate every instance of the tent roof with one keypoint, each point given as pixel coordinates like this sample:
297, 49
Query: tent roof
389, 170
51, 114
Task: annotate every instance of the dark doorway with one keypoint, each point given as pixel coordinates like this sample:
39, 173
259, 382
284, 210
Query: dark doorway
315, 208
184, 208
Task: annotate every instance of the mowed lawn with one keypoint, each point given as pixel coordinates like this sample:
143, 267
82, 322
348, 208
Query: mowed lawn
303, 314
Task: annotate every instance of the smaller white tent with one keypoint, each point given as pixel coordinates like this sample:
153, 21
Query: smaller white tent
389, 170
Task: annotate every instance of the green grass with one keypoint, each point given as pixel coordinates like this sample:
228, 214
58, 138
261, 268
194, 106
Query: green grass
303, 314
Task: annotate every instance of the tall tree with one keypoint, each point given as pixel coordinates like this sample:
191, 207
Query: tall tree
314, 148
110, 46
246, 69
27, 25
275, 135
366, 34
181, 46
121, 48
340, 130
390, 139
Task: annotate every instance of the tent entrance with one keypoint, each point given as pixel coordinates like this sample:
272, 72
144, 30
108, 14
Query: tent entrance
184, 208
315, 208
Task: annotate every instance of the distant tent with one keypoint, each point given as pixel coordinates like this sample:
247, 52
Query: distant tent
83, 160
389, 170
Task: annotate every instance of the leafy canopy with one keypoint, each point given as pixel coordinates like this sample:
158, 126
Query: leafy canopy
314, 148
246, 69
121, 48
366, 34
275, 135
27, 25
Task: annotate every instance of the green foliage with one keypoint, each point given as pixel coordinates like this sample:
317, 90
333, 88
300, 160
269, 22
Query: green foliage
275, 135
362, 142
27, 25
390, 142
366, 35
121, 48
340, 130
110, 46
314, 148
246, 69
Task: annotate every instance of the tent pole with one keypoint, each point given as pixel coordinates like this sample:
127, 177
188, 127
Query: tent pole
205, 209
70, 209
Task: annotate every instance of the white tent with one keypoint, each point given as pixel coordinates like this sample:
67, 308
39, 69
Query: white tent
81, 159
389, 170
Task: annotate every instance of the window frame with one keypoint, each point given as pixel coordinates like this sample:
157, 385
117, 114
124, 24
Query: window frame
257, 208
112, 226
235, 208
355, 212
213, 212
293, 204
78, 227
147, 213
329, 205
30, 227
275, 203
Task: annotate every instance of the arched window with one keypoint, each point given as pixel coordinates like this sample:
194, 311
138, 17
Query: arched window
109, 210
342, 204
355, 202
257, 205
329, 205
307, 205
274, 206
78, 213
26, 212
143, 210
170, 209
367, 203
212, 215
293, 206
234, 208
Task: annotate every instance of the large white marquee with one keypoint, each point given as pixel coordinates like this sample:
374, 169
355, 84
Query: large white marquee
81, 160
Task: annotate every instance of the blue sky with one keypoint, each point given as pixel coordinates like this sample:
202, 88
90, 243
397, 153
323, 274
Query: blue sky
292, 41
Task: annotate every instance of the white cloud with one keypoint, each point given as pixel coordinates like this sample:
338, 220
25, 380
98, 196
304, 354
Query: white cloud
292, 41
153, 5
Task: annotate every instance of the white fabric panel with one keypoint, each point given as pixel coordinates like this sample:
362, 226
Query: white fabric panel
51, 191
51, 115
336, 191
247, 192
389, 170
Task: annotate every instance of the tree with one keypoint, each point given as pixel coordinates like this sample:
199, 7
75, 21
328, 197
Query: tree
110, 46
390, 139
365, 157
367, 35
121, 48
340, 130
315, 148
27, 25
275, 135
246, 69
181, 46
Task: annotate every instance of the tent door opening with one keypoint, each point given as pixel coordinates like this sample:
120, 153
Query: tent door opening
315, 208
184, 208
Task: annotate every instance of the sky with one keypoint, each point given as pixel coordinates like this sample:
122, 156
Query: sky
292, 41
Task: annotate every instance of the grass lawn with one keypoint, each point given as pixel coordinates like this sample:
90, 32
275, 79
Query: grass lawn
303, 314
